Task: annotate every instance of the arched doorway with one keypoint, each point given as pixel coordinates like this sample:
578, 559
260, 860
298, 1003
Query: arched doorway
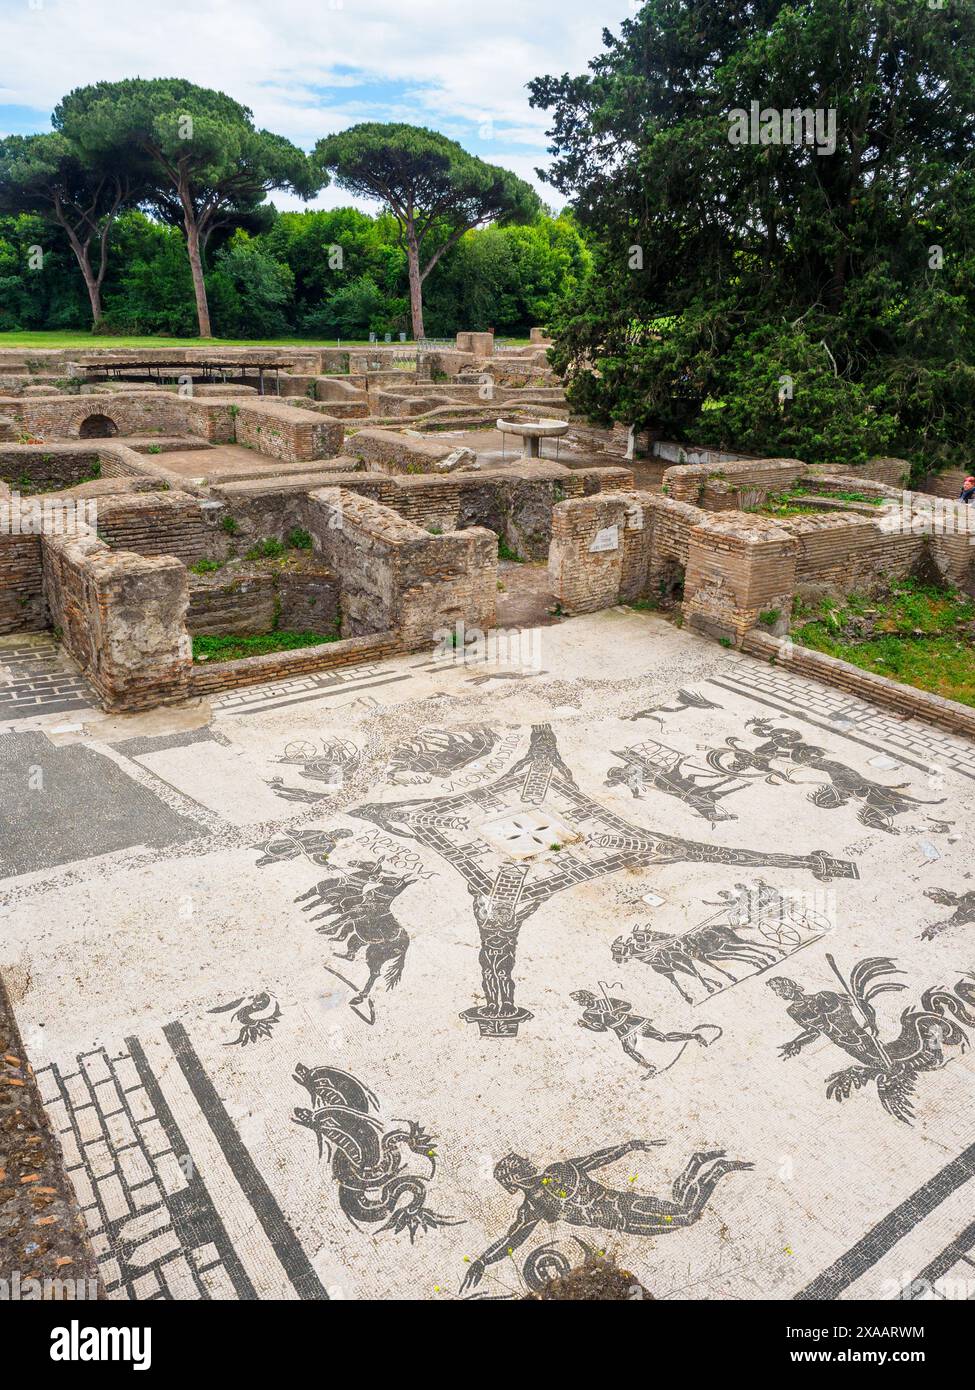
97, 427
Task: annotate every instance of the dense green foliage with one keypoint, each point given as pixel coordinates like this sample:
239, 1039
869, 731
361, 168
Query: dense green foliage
203, 163
278, 283
148, 201
432, 186
782, 298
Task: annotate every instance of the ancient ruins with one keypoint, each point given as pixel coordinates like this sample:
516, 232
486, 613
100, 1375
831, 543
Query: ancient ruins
142, 491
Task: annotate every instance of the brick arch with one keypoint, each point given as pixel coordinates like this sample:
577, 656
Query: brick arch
87, 412
97, 426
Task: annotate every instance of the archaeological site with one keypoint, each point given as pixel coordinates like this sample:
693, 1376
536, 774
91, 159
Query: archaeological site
487, 672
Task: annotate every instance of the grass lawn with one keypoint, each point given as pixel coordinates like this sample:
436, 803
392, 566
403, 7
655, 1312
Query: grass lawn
234, 648
98, 341
915, 634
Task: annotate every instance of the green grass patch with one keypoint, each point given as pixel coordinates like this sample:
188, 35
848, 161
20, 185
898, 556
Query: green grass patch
235, 648
915, 633
269, 549
97, 341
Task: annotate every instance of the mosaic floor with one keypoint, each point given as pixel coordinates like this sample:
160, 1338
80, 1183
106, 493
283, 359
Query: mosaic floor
424, 979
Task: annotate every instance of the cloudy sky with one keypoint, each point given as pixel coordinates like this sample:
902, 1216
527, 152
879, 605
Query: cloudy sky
310, 67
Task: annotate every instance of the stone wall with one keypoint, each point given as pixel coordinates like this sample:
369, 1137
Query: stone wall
394, 575
249, 600
121, 616
158, 523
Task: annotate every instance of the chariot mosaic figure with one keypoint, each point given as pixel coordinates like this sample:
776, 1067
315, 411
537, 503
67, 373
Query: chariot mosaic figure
506, 891
567, 1191
878, 804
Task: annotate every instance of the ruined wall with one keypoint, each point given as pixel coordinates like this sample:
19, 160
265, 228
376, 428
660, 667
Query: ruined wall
121, 617
947, 484
22, 605
845, 552
52, 417
619, 547
219, 606
278, 666
586, 557
249, 601
737, 568
725, 486
385, 451
392, 574
157, 523
286, 432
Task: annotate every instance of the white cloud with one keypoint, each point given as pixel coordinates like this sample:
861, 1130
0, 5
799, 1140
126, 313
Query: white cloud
458, 65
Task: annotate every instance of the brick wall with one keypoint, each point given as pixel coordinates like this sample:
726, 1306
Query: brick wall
121, 617
392, 574
155, 523
586, 558
53, 417
737, 568
256, 670
219, 607
847, 552
721, 487
286, 432
386, 451
22, 605
249, 601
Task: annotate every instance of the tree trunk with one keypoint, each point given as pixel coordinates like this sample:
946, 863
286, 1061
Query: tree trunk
92, 284
94, 296
196, 262
416, 284
199, 288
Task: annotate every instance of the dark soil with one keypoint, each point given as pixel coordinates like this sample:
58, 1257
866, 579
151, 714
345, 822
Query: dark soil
600, 1281
42, 1234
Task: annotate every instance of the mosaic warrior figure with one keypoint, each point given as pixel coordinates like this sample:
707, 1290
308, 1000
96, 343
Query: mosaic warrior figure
566, 1191
964, 913
607, 1014
849, 1020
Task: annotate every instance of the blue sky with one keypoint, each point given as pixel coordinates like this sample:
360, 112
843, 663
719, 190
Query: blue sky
309, 67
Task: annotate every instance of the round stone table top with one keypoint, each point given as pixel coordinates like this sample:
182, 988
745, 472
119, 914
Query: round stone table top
534, 429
